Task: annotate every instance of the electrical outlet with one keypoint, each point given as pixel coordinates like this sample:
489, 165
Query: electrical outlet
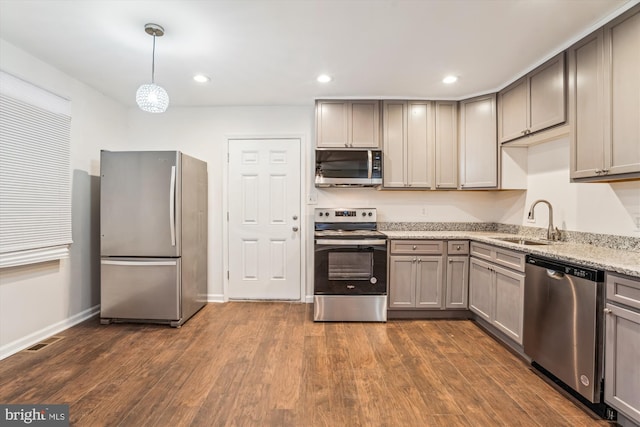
312, 198
424, 211
637, 221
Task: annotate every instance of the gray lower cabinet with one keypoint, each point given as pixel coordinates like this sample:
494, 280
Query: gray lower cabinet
457, 275
427, 274
415, 281
622, 346
496, 288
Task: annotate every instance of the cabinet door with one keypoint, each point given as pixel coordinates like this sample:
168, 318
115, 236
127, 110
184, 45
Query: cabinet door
513, 111
622, 353
508, 302
457, 286
331, 124
446, 144
480, 288
429, 281
622, 93
586, 111
394, 117
419, 144
478, 143
547, 95
364, 124
402, 289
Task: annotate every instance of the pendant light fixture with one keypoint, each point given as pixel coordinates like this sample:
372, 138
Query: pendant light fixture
151, 97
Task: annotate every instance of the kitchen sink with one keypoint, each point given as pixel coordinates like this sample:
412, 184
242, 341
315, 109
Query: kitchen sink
523, 241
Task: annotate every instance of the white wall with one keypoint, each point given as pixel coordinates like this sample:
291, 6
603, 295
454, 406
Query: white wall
203, 133
608, 208
42, 299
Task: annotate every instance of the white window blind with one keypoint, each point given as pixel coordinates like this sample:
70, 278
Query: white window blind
35, 176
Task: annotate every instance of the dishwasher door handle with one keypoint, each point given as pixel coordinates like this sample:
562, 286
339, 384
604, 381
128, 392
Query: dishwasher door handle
557, 275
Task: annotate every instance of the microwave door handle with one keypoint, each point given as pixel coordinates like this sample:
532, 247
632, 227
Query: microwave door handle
370, 164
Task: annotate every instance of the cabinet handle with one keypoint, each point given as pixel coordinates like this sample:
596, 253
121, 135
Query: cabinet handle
599, 171
458, 247
450, 260
413, 261
605, 171
419, 260
607, 311
415, 247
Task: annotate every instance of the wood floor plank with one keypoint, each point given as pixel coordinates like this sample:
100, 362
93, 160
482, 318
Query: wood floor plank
269, 364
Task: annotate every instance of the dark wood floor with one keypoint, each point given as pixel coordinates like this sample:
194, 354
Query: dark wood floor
269, 364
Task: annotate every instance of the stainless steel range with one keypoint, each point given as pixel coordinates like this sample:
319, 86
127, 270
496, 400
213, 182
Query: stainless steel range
350, 282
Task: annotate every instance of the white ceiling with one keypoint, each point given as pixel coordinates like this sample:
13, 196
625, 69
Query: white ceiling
269, 52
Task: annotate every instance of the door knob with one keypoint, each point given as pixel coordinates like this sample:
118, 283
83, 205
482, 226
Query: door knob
295, 228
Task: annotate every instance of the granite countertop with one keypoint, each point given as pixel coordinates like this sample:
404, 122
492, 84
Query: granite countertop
614, 260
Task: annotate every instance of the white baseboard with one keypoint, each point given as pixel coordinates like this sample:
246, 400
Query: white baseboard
22, 343
309, 299
215, 298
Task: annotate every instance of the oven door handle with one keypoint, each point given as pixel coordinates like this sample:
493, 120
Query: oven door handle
338, 242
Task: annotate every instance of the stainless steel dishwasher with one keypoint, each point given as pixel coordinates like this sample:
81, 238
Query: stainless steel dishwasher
563, 325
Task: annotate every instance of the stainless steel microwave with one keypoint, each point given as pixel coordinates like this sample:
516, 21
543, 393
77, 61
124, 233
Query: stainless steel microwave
348, 168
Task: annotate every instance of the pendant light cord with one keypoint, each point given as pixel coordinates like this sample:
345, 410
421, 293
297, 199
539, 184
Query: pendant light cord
153, 60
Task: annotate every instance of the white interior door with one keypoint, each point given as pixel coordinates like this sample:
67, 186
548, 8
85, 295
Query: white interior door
264, 219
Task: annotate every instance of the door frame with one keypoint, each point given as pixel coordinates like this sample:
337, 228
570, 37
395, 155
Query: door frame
303, 216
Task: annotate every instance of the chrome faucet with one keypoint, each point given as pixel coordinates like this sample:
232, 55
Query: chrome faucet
552, 232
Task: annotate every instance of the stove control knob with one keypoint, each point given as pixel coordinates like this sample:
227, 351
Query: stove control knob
364, 214
370, 214
326, 214
319, 213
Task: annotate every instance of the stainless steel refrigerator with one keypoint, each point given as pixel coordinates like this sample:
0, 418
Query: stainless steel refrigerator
153, 236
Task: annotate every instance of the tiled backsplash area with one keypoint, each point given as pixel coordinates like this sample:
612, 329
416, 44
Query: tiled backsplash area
601, 240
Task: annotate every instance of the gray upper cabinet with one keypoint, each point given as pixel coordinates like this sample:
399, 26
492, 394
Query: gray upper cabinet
420, 140
604, 110
533, 103
478, 143
348, 124
446, 144
408, 133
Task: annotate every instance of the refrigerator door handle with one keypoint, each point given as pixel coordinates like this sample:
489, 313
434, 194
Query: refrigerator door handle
138, 263
172, 206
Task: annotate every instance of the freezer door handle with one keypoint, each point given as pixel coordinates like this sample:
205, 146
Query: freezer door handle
172, 206
138, 263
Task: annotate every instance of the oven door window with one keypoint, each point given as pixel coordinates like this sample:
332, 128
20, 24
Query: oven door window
350, 265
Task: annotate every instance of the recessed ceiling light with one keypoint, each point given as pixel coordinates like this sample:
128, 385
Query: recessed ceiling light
324, 78
201, 78
450, 79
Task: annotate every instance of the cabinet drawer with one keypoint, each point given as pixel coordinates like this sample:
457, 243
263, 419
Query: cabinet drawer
483, 251
505, 257
623, 290
457, 247
510, 259
417, 246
